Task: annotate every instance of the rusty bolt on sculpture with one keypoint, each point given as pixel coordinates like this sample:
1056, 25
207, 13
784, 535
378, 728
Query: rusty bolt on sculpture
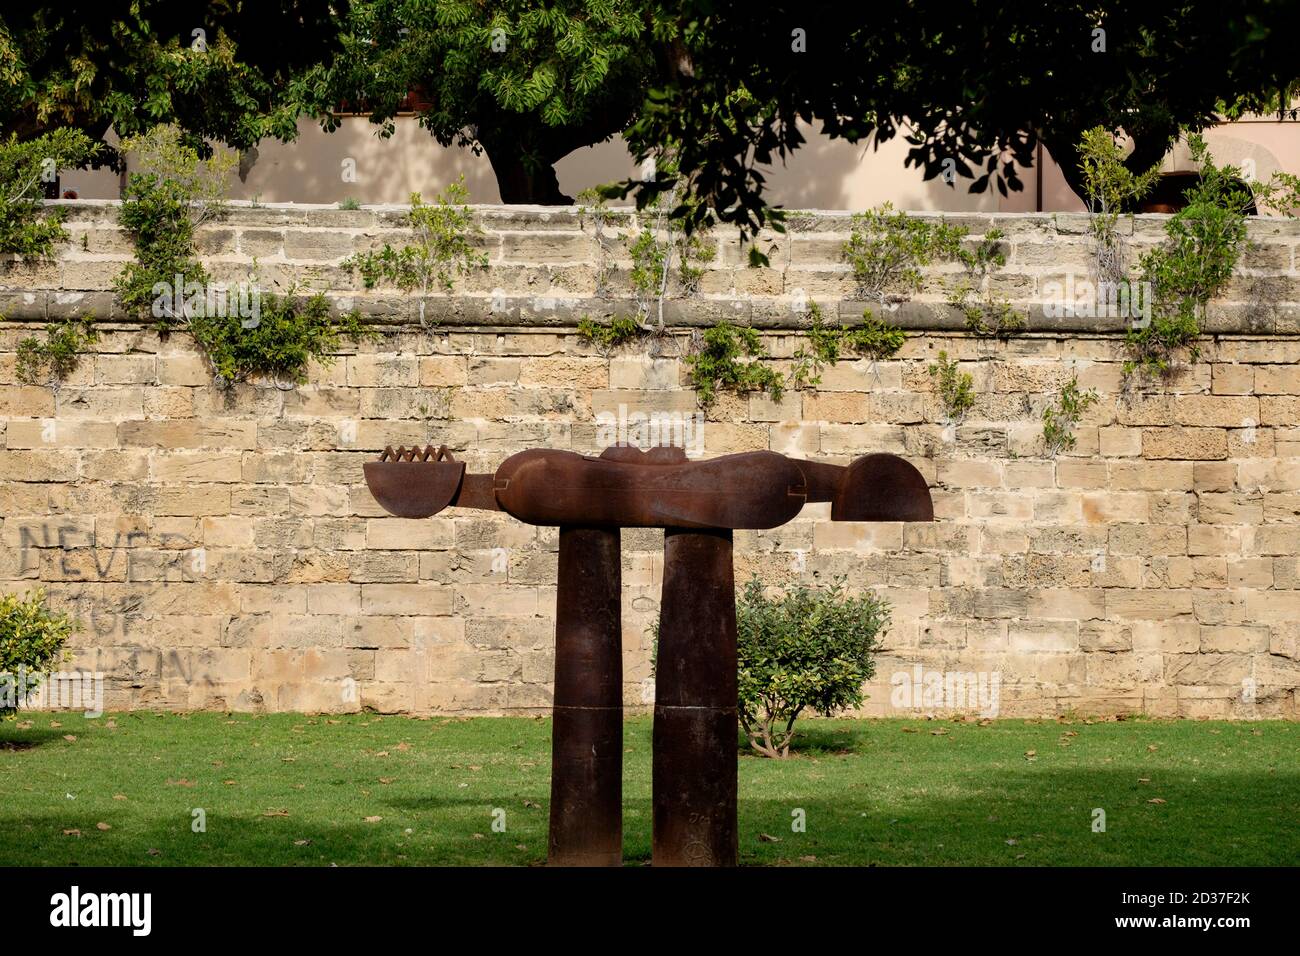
698, 504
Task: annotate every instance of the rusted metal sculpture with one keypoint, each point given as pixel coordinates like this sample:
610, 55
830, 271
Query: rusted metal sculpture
698, 504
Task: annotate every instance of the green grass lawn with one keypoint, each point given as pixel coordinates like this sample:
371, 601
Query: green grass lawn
365, 789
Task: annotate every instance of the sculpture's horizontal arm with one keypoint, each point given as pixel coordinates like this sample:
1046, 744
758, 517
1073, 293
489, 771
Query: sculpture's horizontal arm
661, 489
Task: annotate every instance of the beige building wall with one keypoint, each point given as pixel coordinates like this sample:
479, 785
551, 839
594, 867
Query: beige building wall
825, 174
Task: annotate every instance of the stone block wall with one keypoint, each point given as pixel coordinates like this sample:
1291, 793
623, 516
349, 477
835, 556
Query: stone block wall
221, 550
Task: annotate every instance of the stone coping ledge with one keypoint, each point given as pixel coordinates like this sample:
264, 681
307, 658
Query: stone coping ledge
547, 271
797, 220
550, 312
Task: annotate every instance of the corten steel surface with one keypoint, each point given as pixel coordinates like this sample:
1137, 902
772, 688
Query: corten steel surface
587, 730
699, 504
694, 775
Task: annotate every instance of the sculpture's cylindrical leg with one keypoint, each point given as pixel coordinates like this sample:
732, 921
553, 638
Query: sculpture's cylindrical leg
695, 703
587, 730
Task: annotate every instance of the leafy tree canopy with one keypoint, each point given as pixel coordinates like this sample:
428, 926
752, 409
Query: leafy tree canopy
973, 87
217, 69
525, 82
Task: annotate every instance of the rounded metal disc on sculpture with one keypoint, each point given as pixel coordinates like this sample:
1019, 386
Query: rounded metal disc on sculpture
882, 488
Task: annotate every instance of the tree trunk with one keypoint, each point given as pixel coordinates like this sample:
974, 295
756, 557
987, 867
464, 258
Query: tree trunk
520, 185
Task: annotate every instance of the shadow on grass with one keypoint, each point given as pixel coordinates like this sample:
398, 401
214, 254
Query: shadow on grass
974, 818
19, 740
818, 740
1047, 818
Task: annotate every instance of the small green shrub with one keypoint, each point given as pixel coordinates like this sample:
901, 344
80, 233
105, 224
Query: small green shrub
32, 638
663, 242
351, 203
986, 315
27, 228
593, 208
1281, 194
956, 388
1062, 415
1205, 240
286, 337
172, 191
720, 362
1109, 186
443, 249
874, 338
804, 650
610, 335
827, 343
887, 249
51, 361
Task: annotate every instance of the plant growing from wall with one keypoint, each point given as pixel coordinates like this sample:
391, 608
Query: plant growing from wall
802, 650
443, 248
608, 336
826, 344
172, 191
886, 251
27, 228
288, 335
52, 361
663, 243
986, 314
1205, 240
1109, 188
32, 638
728, 357
1281, 194
955, 388
1061, 415
594, 209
